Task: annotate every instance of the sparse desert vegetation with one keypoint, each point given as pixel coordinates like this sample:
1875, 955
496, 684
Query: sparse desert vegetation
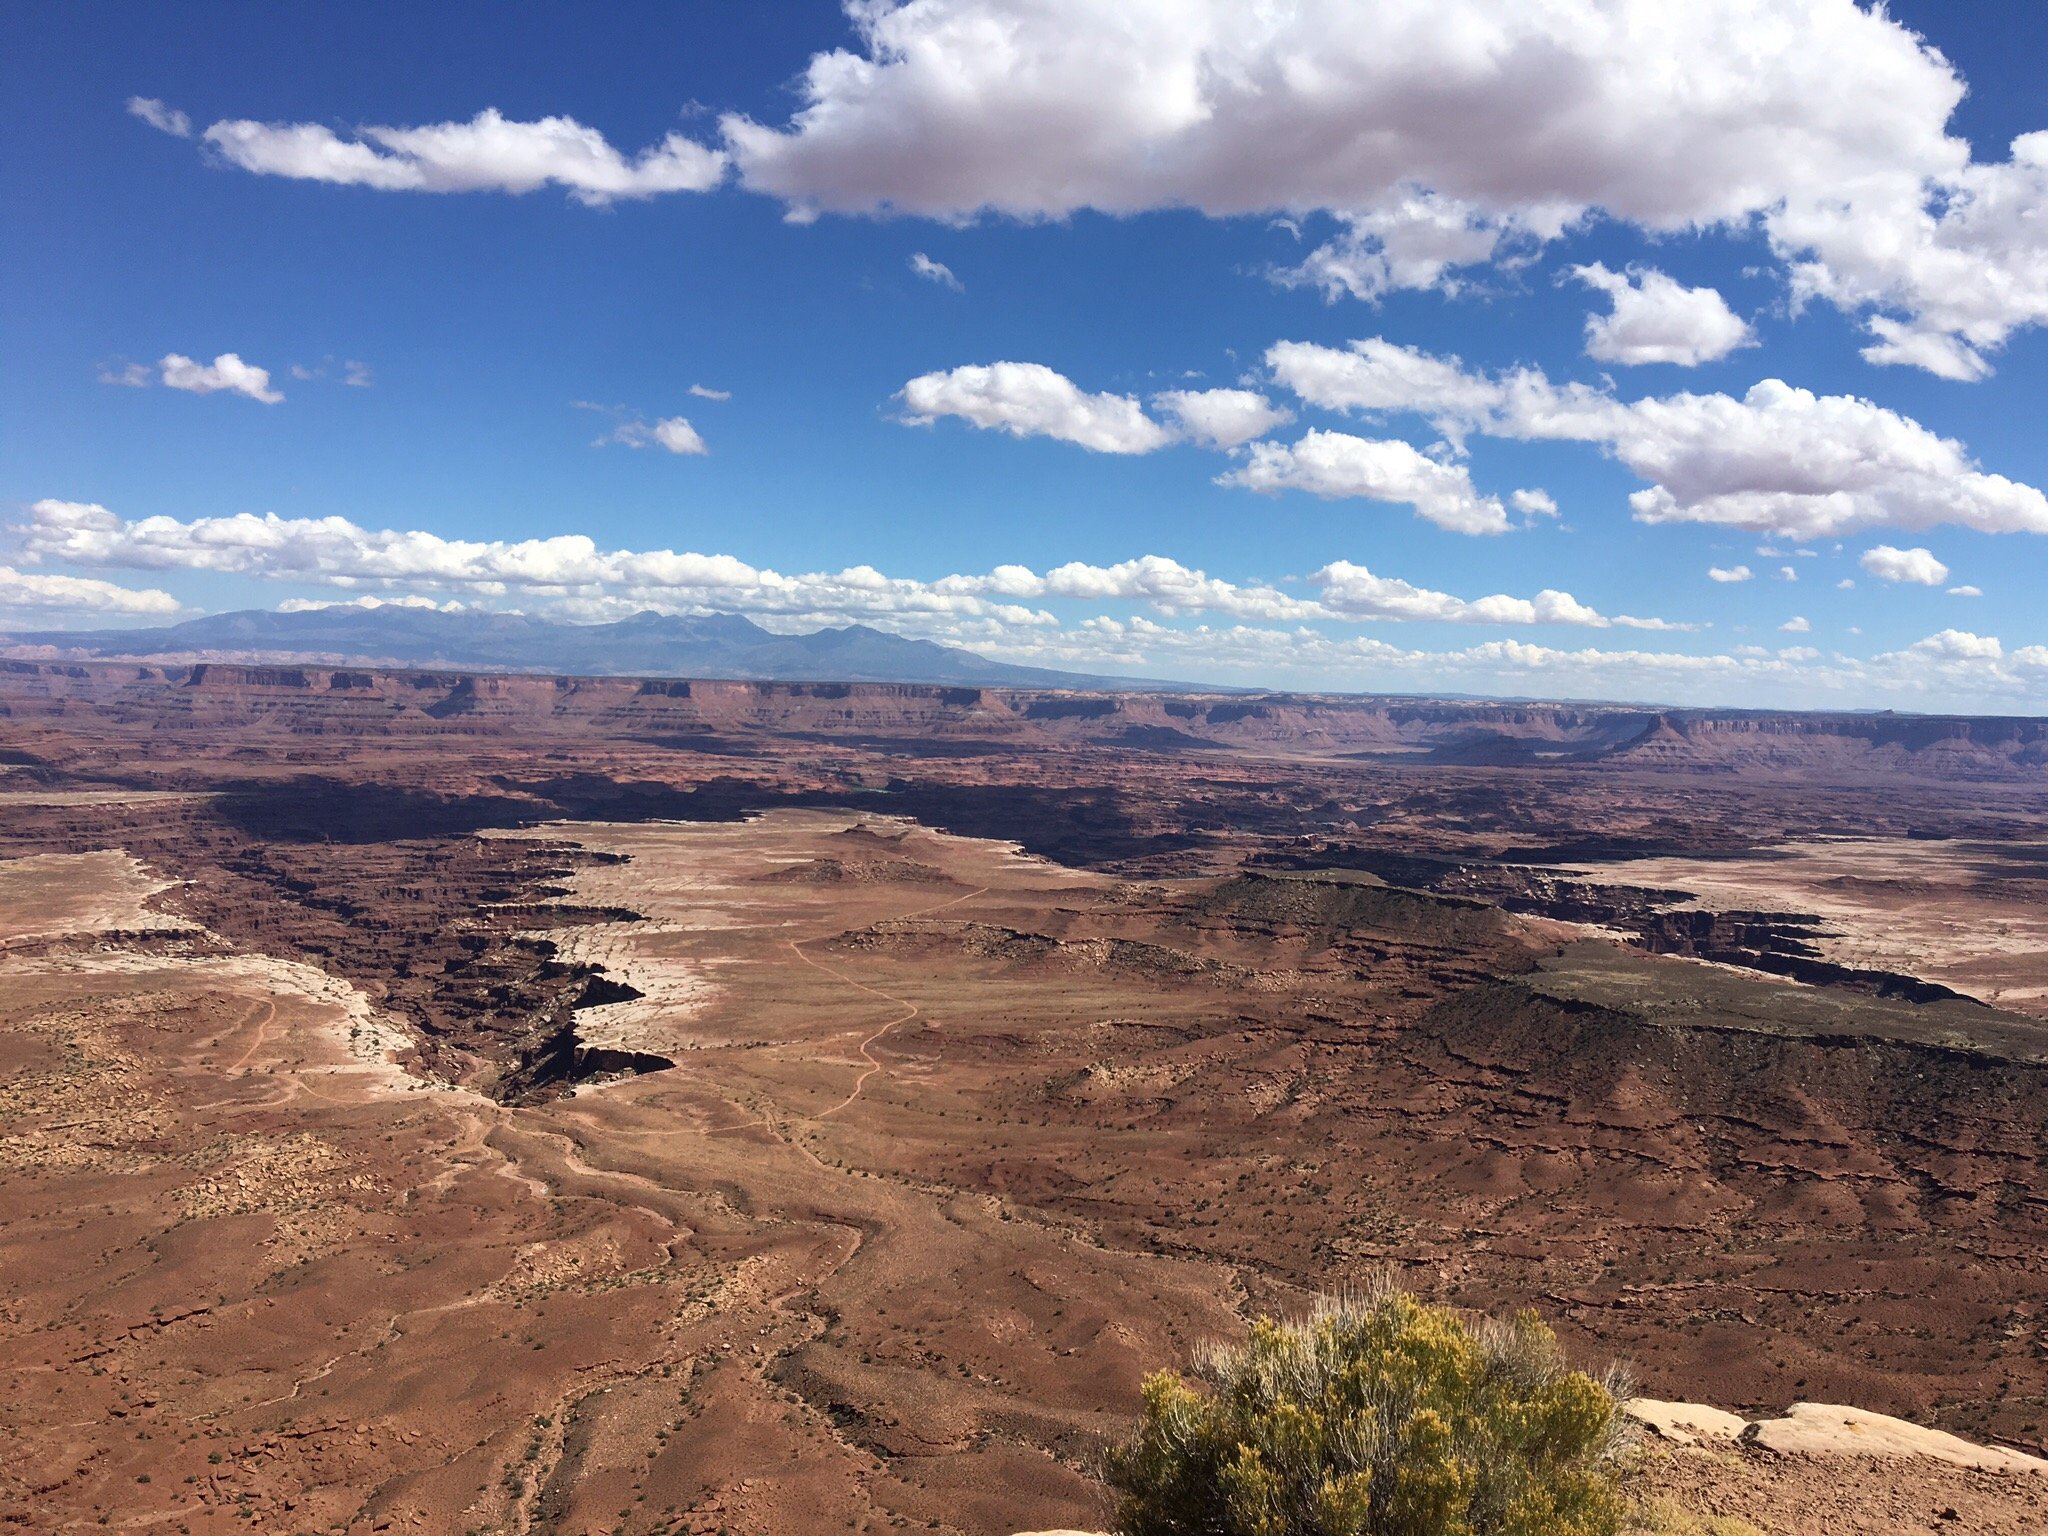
1378, 1415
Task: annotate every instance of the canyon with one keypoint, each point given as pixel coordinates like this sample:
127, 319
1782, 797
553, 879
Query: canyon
450, 1100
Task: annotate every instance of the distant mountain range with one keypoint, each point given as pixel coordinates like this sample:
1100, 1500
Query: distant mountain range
647, 644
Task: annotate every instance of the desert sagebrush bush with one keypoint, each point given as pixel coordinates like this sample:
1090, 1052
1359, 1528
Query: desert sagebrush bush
1378, 1416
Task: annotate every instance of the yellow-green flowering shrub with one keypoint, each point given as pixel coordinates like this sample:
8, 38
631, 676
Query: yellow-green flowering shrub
1378, 1416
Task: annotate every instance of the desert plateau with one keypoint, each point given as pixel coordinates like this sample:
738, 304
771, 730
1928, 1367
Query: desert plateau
507, 1104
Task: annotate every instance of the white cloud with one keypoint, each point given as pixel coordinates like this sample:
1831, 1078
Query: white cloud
1778, 460
40, 590
226, 373
1959, 259
1436, 135
1378, 377
1729, 573
1160, 583
1336, 465
1534, 504
572, 569
160, 117
1910, 565
1031, 400
1965, 591
1656, 319
357, 375
1441, 134
1910, 346
316, 605
1668, 115
1345, 591
1946, 672
1796, 626
935, 272
489, 153
672, 432
705, 392
1787, 573
1222, 418
1416, 240
571, 577
1352, 591
1960, 644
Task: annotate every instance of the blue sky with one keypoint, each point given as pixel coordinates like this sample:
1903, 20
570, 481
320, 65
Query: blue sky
1126, 201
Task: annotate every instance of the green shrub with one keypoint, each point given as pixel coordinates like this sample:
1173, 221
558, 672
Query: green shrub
1378, 1416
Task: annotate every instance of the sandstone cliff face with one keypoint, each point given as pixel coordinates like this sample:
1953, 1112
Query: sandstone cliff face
930, 718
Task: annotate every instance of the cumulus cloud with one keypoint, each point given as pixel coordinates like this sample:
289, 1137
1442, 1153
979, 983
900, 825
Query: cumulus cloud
1796, 626
1416, 240
1442, 134
1966, 591
1222, 418
571, 568
160, 117
1957, 261
1669, 115
1434, 136
316, 604
1160, 583
1909, 565
1911, 346
1534, 504
1268, 636
705, 392
1353, 591
225, 374
40, 590
1657, 319
1949, 671
672, 432
1031, 400
1336, 465
1729, 573
1960, 644
489, 153
1378, 377
1777, 460
935, 272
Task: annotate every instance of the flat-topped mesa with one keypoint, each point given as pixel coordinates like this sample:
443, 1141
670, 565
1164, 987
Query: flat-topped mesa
312, 696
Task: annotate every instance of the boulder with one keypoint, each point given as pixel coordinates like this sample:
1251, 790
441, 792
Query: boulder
1685, 1423
1826, 1429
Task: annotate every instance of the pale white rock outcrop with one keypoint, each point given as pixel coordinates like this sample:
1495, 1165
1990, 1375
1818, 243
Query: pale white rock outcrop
1685, 1423
1825, 1429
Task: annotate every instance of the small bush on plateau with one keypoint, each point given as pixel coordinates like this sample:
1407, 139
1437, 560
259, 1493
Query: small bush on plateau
1378, 1416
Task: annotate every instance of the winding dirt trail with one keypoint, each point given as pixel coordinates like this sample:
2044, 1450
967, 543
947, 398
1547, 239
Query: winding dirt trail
911, 1010
262, 1032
